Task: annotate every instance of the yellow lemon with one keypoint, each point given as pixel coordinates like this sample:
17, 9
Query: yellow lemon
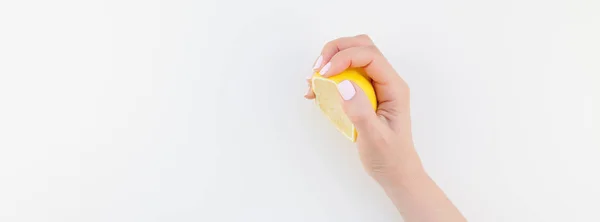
330, 102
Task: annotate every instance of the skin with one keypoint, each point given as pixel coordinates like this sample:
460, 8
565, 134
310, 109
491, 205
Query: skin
384, 140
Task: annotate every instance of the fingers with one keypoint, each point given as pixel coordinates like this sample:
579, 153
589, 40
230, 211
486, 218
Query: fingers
333, 47
367, 57
309, 94
393, 94
359, 51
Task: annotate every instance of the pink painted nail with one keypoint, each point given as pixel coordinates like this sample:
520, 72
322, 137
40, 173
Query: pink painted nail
318, 62
346, 89
325, 68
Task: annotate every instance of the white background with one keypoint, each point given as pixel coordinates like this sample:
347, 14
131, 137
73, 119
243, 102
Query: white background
130, 110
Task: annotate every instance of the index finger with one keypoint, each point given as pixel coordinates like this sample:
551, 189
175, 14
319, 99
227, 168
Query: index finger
367, 57
337, 45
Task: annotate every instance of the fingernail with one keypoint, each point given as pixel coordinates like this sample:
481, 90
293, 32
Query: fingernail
318, 62
325, 68
346, 89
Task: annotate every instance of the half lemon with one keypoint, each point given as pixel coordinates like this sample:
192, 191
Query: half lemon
330, 101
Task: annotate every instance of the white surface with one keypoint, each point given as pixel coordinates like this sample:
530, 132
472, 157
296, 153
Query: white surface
193, 110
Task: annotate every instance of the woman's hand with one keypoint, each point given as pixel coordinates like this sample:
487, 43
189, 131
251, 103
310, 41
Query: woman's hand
384, 136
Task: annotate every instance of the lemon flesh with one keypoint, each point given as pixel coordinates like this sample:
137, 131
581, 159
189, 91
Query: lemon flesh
330, 102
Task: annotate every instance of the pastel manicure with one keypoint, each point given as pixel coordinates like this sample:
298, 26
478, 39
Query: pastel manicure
346, 89
318, 62
325, 68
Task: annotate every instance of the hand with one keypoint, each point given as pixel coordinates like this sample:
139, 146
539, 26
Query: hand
384, 137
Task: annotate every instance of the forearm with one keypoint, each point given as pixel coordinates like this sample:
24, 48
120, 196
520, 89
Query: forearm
419, 199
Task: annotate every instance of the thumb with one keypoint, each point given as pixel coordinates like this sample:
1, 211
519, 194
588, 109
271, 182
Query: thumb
358, 108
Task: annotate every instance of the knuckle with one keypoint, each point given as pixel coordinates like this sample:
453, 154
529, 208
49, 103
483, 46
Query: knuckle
364, 37
330, 44
373, 49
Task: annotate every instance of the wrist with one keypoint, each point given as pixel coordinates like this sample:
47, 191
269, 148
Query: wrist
401, 178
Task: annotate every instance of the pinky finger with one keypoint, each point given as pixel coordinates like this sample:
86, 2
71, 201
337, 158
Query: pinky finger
309, 94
